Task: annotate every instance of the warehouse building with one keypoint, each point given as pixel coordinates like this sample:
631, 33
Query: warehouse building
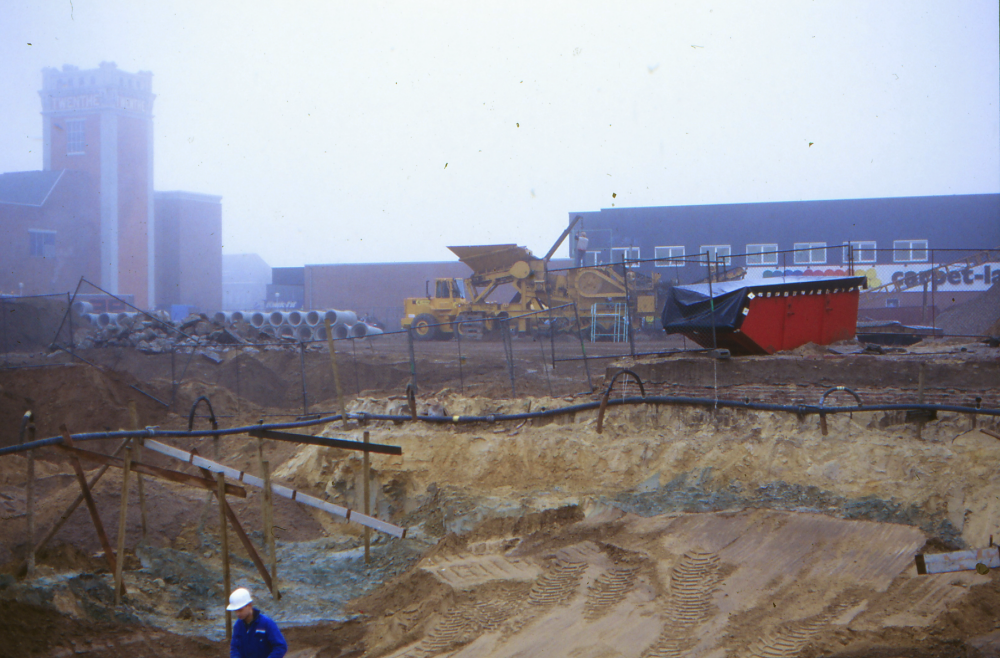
887, 239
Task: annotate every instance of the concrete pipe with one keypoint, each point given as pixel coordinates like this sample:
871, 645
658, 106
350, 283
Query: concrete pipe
220, 318
362, 330
83, 308
267, 330
341, 331
257, 319
90, 318
341, 317
304, 332
313, 318
285, 331
236, 316
319, 332
103, 320
276, 318
125, 319
293, 318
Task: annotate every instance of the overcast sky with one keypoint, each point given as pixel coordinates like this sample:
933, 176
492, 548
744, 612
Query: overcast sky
384, 131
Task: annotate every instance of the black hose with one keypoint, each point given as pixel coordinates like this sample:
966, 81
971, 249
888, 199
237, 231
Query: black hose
800, 410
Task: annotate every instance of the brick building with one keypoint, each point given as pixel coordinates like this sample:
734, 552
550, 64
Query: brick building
92, 211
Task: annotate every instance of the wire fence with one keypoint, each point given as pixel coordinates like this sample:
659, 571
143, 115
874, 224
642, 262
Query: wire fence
504, 363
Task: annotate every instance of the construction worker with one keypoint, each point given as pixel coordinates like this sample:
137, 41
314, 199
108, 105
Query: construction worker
581, 247
254, 634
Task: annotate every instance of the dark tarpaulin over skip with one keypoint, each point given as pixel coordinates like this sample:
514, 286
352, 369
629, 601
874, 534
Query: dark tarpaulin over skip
690, 308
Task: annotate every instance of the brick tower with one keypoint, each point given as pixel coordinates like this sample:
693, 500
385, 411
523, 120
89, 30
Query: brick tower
101, 121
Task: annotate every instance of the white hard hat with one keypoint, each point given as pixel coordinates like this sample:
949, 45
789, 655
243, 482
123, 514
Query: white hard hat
239, 598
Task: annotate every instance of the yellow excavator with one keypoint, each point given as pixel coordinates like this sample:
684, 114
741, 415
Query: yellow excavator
607, 299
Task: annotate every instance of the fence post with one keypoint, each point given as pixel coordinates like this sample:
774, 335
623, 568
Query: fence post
508, 349
3, 311
628, 307
461, 373
413, 358
302, 372
69, 305
583, 350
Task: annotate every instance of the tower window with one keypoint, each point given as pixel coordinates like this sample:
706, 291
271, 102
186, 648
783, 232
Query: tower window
75, 137
42, 244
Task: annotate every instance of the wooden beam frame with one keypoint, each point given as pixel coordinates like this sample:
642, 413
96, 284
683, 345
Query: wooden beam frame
329, 443
91, 505
284, 492
163, 473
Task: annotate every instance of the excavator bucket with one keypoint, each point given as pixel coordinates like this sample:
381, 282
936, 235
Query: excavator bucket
492, 257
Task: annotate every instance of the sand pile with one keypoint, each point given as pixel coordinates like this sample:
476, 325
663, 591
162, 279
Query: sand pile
977, 317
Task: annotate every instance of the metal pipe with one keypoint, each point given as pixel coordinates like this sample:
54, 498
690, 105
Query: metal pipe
341, 317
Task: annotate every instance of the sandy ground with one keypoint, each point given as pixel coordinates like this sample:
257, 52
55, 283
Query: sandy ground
675, 532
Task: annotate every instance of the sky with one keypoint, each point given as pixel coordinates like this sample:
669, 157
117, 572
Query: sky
341, 132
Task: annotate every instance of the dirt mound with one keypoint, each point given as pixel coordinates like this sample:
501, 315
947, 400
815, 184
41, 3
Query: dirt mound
84, 398
979, 316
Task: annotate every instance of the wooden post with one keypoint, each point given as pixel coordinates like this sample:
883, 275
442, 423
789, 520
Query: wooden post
920, 398
122, 519
138, 476
72, 508
336, 371
91, 505
268, 499
366, 473
31, 502
221, 480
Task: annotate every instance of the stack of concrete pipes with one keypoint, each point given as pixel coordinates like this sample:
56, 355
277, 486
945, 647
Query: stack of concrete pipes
124, 320
311, 325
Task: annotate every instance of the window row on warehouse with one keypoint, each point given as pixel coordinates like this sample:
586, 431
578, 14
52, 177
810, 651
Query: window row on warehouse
764, 254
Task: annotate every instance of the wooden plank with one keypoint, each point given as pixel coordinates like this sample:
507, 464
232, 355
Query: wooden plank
138, 476
284, 492
91, 505
366, 474
336, 371
224, 538
122, 519
268, 502
958, 560
244, 539
329, 443
156, 471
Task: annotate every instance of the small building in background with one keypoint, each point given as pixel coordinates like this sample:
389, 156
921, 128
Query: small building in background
49, 231
188, 250
287, 289
245, 278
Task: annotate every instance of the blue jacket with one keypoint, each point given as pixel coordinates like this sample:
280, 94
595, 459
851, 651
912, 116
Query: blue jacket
261, 638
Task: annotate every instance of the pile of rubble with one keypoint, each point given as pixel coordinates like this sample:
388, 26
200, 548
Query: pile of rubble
154, 333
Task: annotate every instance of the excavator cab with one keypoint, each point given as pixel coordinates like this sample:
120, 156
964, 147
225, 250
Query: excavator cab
449, 289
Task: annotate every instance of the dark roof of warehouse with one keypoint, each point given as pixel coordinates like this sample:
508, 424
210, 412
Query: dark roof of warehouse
28, 188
